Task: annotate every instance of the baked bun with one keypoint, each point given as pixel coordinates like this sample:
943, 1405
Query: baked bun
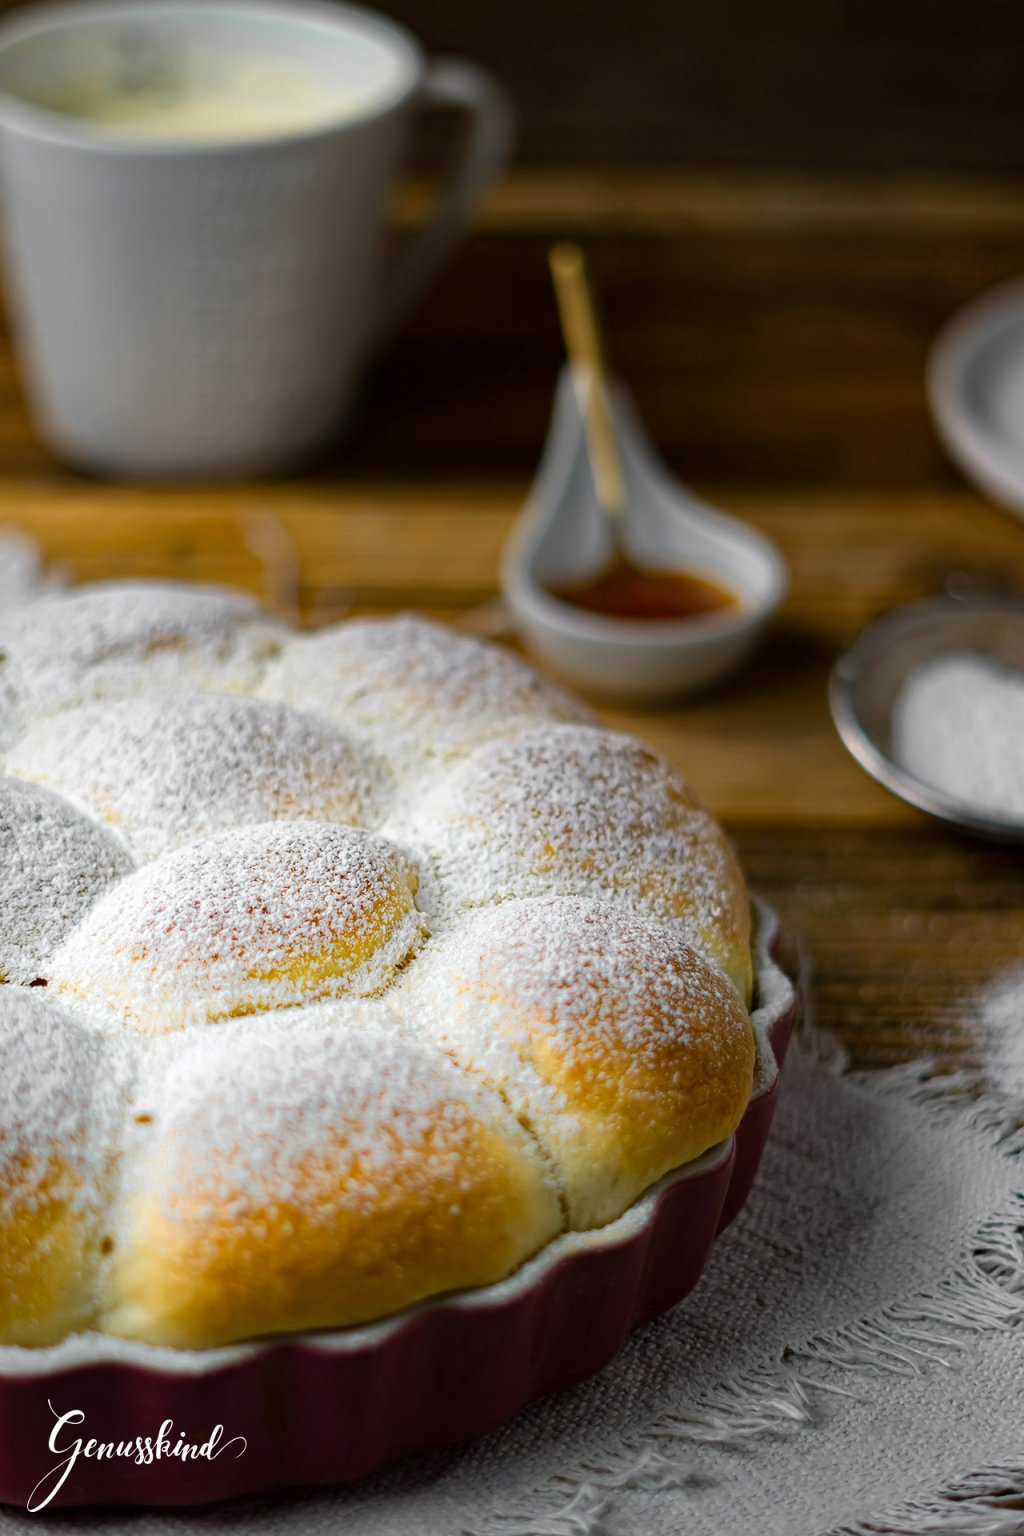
418, 689
54, 863
122, 637
623, 1051
252, 919
363, 965
312, 1173
577, 810
165, 769
60, 1098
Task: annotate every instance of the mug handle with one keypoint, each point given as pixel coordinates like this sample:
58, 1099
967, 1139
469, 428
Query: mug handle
450, 83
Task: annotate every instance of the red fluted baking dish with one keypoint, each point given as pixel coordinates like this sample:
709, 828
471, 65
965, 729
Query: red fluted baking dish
329, 1407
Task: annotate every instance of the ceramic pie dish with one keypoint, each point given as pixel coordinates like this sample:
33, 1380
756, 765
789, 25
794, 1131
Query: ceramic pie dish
324, 1408
343, 976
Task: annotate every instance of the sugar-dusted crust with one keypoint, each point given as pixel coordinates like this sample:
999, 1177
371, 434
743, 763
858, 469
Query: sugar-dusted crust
364, 965
418, 690
62, 1092
316, 1171
261, 917
54, 863
114, 638
577, 810
625, 1052
165, 768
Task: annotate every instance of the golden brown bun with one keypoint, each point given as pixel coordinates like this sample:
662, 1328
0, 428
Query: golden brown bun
576, 810
420, 691
623, 1050
264, 916
322, 1175
114, 638
167, 768
59, 1101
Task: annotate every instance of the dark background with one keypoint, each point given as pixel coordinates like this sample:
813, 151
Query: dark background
812, 84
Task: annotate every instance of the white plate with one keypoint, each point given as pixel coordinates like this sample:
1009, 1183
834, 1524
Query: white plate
976, 391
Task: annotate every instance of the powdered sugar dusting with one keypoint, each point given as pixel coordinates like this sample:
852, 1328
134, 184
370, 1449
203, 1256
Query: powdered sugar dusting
577, 810
116, 638
598, 1026
248, 920
417, 689
958, 725
315, 1081
583, 971
61, 1092
166, 769
54, 863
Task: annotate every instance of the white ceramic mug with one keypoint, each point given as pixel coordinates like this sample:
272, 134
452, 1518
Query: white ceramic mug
205, 309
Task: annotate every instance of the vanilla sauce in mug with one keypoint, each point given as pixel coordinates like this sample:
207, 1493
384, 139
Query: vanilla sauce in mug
160, 100
196, 202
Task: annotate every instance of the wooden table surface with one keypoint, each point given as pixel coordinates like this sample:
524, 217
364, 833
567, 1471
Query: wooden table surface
773, 331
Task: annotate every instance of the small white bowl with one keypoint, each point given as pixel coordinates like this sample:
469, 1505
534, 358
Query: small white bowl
562, 538
976, 392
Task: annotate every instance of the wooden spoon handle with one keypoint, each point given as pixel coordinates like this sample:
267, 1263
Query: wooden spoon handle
583, 344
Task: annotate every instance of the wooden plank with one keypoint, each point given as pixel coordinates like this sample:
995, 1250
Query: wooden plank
907, 929
773, 328
673, 201
786, 356
382, 545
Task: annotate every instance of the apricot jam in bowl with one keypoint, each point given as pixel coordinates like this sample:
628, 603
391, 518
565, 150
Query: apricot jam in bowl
680, 609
